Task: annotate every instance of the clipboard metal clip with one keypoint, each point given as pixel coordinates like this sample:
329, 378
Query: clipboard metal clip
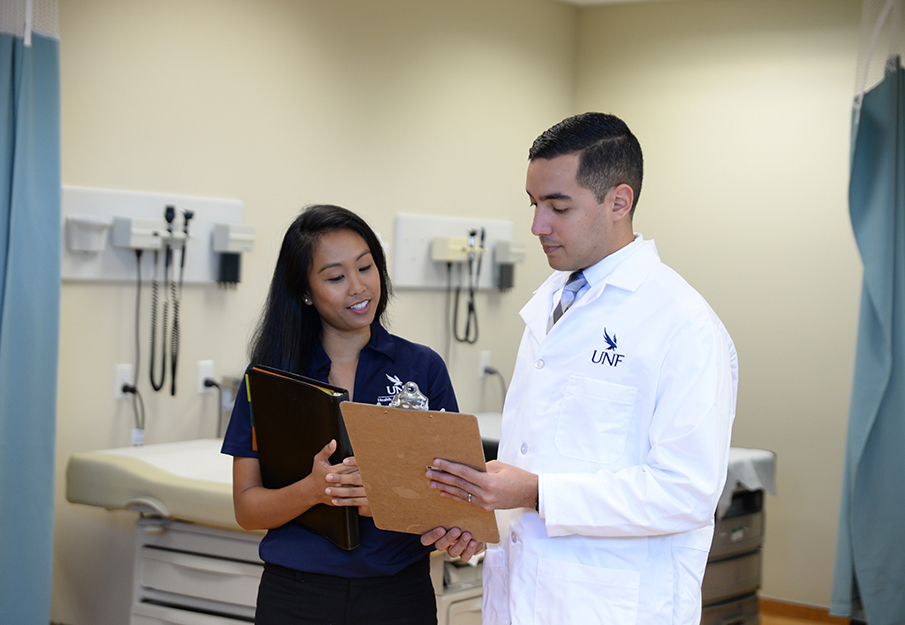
410, 397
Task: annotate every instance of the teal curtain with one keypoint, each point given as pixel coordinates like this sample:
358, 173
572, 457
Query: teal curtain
870, 553
29, 321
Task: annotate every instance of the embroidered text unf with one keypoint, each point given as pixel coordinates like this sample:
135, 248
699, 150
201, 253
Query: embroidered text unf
609, 355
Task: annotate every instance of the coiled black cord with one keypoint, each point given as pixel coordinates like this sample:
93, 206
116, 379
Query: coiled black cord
174, 339
471, 318
177, 297
154, 298
474, 274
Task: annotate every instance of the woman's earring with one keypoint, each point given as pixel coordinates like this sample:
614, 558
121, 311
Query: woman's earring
307, 301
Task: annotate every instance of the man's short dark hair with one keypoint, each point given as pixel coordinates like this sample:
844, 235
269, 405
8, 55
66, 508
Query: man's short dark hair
609, 154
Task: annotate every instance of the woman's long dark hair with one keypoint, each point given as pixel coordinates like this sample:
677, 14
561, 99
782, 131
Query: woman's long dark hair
286, 332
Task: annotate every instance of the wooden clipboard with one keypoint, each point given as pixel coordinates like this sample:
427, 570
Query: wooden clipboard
395, 446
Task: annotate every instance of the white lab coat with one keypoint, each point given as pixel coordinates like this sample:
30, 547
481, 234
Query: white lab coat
625, 411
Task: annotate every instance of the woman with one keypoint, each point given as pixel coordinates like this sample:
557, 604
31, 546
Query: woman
322, 319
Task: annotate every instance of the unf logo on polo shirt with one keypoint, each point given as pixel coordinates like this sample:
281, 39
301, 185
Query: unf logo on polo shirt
607, 356
395, 384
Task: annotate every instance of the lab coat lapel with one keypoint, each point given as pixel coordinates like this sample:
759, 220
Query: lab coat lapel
628, 275
536, 313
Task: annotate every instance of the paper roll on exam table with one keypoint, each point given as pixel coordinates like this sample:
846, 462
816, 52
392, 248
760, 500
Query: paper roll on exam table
188, 480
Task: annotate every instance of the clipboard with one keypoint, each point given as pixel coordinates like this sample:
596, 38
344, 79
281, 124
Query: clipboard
393, 449
293, 418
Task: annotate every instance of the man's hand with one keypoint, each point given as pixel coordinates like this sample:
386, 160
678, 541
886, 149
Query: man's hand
502, 487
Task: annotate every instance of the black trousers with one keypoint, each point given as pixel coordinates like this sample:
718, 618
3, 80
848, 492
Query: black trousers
288, 597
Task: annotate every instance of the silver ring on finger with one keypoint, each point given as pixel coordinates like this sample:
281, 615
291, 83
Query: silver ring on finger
469, 497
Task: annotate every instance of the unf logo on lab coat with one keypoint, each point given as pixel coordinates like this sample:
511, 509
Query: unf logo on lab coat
607, 356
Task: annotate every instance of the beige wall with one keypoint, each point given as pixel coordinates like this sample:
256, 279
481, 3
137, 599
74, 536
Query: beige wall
424, 106
384, 107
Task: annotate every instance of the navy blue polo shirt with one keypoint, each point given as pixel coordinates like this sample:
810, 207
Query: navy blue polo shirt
384, 365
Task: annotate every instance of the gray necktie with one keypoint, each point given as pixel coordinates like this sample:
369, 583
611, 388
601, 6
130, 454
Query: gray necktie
569, 295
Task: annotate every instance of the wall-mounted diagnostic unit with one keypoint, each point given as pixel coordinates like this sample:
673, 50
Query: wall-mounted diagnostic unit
103, 229
431, 250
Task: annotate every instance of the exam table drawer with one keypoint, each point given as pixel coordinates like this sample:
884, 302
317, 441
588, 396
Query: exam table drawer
230, 545
741, 528
152, 614
737, 534
460, 606
743, 611
467, 612
199, 576
731, 578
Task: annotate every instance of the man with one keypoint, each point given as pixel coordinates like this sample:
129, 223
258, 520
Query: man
616, 426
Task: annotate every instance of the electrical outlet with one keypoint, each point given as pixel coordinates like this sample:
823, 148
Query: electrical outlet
483, 363
205, 371
123, 377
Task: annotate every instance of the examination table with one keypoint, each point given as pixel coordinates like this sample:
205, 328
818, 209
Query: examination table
195, 566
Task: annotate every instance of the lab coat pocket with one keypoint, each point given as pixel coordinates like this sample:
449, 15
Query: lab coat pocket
495, 601
577, 593
690, 566
594, 419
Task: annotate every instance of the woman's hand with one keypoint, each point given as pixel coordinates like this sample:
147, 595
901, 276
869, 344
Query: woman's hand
345, 487
455, 542
258, 507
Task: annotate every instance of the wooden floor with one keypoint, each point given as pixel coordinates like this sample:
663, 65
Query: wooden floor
780, 613
769, 619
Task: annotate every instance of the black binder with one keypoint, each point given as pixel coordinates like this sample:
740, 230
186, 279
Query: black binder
293, 418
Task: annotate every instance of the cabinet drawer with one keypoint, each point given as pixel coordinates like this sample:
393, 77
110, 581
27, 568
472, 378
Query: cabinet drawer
151, 614
730, 578
467, 612
459, 607
176, 536
742, 611
737, 534
203, 577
